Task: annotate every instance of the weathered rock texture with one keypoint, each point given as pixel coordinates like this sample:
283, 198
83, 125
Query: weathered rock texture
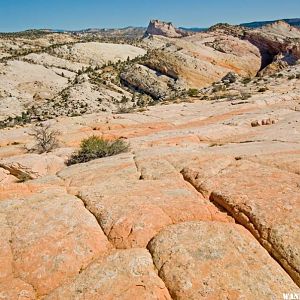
125, 274
204, 205
203, 58
274, 39
148, 207
50, 238
211, 260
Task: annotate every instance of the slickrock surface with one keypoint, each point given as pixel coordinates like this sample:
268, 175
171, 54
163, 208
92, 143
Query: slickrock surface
124, 274
211, 260
149, 206
69, 75
33, 165
50, 238
204, 205
201, 59
98, 53
250, 191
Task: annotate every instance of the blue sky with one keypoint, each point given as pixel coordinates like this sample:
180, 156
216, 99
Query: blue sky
77, 14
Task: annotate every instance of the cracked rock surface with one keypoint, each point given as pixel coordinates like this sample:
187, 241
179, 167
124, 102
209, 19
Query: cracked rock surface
202, 206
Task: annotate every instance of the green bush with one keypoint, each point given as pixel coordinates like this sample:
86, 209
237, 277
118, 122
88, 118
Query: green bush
193, 92
95, 147
246, 80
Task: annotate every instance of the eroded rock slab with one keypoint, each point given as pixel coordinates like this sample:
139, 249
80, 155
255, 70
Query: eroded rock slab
49, 237
132, 212
32, 165
16, 289
212, 260
125, 274
103, 169
265, 200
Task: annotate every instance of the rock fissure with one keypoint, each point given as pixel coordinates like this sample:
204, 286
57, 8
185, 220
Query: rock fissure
248, 221
244, 218
87, 208
137, 167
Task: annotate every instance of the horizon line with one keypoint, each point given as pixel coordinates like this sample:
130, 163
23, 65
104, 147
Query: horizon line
130, 26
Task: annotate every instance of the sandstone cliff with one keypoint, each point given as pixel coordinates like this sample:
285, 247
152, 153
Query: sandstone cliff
274, 39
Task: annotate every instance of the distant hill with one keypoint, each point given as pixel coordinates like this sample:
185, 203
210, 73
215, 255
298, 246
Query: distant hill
194, 29
292, 22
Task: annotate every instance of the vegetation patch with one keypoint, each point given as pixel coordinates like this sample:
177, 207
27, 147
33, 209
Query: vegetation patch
193, 92
45, 138
96, 147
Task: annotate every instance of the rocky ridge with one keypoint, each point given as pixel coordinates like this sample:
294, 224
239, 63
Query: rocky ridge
72, 74
204, 58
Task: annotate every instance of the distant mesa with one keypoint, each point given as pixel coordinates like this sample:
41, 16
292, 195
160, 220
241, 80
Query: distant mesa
292, 22
166, 29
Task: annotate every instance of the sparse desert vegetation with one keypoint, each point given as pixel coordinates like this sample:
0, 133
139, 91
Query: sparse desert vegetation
96, 147
46, 138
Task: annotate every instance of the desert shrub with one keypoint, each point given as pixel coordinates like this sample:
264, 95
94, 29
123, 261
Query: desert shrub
245, 96
96, 147
246, 80
45, 138
193, 92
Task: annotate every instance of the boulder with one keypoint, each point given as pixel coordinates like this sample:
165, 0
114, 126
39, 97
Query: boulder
49, 238
124, 274
212, 260
32, 165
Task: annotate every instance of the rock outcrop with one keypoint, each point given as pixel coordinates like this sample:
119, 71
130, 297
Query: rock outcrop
32, 165
278, 38
197, 260
166, 29
201, 59
234, 184
147, 80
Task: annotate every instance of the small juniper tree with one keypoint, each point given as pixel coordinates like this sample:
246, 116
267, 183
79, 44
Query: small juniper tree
45, 138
